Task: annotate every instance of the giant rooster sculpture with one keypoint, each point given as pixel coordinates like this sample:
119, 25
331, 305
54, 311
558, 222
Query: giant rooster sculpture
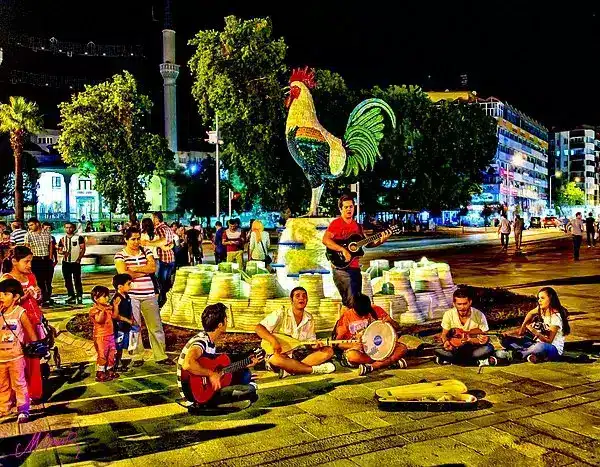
320, 154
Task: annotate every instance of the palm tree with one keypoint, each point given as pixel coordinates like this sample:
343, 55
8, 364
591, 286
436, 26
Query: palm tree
18, 118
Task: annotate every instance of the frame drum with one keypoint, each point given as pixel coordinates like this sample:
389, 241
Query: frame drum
379, 340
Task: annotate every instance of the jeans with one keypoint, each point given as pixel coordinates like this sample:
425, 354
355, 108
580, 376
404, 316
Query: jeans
590, 237
504, 239
42, 269
72, 273
148, 308
349, 284
466, 354
164, 275
525, 346
12, 379
576, 245
105, 351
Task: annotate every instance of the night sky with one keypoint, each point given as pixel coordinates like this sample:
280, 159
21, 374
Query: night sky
542, 60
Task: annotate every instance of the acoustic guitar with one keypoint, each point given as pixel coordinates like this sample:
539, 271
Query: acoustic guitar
459, 337
354, 244
289, 343
200, 387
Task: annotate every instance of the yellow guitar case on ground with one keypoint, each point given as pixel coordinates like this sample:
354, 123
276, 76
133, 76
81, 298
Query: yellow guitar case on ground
444, 391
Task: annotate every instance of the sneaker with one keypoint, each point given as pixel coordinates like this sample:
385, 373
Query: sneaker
441, 361
283, 374
101, 377
79, 300
364, 369
490, 361
23, 417
166, 361
110, 374
323, 368
137, 363
399, 365
71, 301
505, 354
532, 358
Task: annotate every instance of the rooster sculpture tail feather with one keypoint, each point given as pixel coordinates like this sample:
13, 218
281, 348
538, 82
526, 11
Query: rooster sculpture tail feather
363, 133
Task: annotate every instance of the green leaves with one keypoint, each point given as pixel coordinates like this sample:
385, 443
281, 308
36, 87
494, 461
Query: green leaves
570, 195
103, 131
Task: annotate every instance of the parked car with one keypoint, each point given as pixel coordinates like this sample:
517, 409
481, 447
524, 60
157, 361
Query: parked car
551, 221
101, 247
535, 223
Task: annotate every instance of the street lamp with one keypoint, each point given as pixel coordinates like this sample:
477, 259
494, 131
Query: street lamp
577, 179
557, 174
214, 137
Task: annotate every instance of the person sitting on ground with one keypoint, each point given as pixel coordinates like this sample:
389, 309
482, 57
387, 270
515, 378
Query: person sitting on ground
541, 337
298, 324
352, 324
214, 322
101, 314
14, 327
123, 318
459, 319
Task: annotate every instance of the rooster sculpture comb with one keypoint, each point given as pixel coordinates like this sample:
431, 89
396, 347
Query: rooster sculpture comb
304, 75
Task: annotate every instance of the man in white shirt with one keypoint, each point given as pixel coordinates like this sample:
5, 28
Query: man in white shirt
504, 231
298, 324
463, 318
577, 233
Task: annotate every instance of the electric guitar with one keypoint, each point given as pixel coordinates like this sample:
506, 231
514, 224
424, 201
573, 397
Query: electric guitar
200, 388
354, 244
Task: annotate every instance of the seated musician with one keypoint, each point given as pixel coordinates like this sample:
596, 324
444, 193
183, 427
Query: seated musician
299, 324
352, 324
459, 319
214, 322
541, 337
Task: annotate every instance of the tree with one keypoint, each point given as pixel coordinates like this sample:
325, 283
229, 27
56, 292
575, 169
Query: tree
569, 195
18, 118
239, 75
103, 132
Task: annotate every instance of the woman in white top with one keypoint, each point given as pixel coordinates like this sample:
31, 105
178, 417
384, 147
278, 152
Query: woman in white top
548, 324
259, 242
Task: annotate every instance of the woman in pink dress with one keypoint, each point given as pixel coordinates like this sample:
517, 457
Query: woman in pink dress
20, 269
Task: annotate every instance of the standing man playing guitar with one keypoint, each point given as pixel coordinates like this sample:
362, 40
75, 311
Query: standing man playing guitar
471, 325
348, 280
200, 383
298, 324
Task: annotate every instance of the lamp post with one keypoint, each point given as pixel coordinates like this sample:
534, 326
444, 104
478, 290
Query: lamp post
556, 175
214, 137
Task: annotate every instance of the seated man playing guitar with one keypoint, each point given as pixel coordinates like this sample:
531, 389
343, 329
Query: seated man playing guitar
463, 333
298, 324
206, 378
352, 324
348, 280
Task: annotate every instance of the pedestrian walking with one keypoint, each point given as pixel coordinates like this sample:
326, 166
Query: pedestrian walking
163, 241
577, 233
47, 227
518, 229
220, 249
590, 230
40, 244
259, 243
193, 240
140, 264
72, 249
504, 231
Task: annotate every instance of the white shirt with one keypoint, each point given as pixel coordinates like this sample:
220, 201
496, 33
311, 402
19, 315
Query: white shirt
504, 225
559, 339
284, 322
451, 320
257, 252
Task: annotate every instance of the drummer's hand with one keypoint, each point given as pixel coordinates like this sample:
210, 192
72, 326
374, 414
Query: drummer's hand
347, 255
448, 345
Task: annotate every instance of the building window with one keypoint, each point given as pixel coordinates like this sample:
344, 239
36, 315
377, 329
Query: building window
85, 184
56, 182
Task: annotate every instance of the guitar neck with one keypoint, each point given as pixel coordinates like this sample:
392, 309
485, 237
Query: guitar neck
328, 342
367, 240
236, 366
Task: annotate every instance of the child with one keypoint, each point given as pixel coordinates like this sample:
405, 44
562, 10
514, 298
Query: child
14, 326
122, 314
101, 314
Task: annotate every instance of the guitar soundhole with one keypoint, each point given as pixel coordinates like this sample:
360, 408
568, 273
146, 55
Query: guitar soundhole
352, 248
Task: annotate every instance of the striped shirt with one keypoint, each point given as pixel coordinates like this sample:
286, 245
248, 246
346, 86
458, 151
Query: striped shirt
202, 340
17, 237
39, 243
163, 231
141, 287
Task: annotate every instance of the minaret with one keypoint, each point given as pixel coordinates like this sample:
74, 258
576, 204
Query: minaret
170, 71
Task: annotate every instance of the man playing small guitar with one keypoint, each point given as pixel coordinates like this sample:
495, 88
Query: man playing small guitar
474, 345
194, 362
298, 324
347, 280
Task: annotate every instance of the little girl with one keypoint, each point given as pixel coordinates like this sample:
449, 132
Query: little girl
14, 327
101, 314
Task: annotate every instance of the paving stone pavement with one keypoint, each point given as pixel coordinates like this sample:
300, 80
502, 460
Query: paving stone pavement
545, 414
